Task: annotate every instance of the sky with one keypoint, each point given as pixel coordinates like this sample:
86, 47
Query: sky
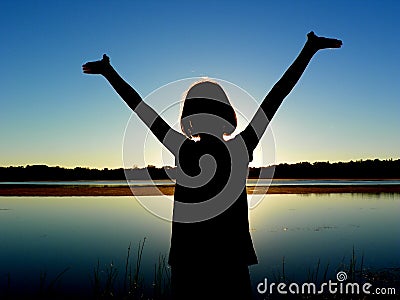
345, 106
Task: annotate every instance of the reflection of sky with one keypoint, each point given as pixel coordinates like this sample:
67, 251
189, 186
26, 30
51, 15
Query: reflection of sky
311, 227
344, 107
39, 234
54, 233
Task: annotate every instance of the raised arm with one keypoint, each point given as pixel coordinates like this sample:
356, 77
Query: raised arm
254, 131
165, 134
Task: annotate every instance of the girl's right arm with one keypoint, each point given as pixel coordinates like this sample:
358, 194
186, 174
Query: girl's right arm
170, 138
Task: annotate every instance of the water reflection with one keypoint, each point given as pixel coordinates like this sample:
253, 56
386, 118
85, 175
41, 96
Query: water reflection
305, 228
53, 233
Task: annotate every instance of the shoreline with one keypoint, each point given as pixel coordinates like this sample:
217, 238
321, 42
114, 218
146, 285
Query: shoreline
148, 190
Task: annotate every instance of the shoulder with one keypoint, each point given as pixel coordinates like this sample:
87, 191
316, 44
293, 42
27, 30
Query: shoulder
188, 145
243, 145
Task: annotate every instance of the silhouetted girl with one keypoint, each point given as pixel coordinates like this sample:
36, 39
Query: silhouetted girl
211, 246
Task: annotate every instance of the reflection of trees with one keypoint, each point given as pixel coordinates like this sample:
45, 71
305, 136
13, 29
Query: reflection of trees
353, 169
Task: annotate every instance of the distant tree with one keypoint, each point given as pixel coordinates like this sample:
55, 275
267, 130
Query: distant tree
375, 168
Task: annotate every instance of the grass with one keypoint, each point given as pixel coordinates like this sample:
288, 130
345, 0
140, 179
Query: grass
50, 289
133, 285
106, 282
127, 283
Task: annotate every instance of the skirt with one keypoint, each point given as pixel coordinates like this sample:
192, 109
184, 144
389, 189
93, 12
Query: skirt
210, 282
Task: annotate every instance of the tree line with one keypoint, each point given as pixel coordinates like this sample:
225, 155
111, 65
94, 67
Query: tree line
361, 169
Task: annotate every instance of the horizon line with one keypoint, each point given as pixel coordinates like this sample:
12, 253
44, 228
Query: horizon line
168, 166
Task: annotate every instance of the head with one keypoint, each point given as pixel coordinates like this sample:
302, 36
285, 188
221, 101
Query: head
207, 109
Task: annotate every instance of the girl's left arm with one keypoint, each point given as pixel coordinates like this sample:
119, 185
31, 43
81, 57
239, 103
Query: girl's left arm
254, 131
170, 138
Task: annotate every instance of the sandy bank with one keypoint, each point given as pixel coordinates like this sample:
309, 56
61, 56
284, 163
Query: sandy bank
51, 190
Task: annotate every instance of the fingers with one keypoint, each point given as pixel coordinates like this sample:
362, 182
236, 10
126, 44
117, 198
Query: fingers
86, 69
106, 58
91, 67
96, 67
335, 43
311, 34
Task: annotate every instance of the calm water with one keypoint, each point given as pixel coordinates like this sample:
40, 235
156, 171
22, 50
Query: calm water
52, 233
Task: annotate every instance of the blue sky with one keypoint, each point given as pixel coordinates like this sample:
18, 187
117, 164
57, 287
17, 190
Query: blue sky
345, 106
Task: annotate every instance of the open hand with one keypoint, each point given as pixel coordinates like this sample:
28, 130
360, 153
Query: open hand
322, 42
97, 67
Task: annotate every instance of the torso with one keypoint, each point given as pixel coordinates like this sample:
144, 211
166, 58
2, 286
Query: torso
211, 190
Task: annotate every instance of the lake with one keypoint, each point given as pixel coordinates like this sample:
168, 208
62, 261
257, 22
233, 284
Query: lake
50, 234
